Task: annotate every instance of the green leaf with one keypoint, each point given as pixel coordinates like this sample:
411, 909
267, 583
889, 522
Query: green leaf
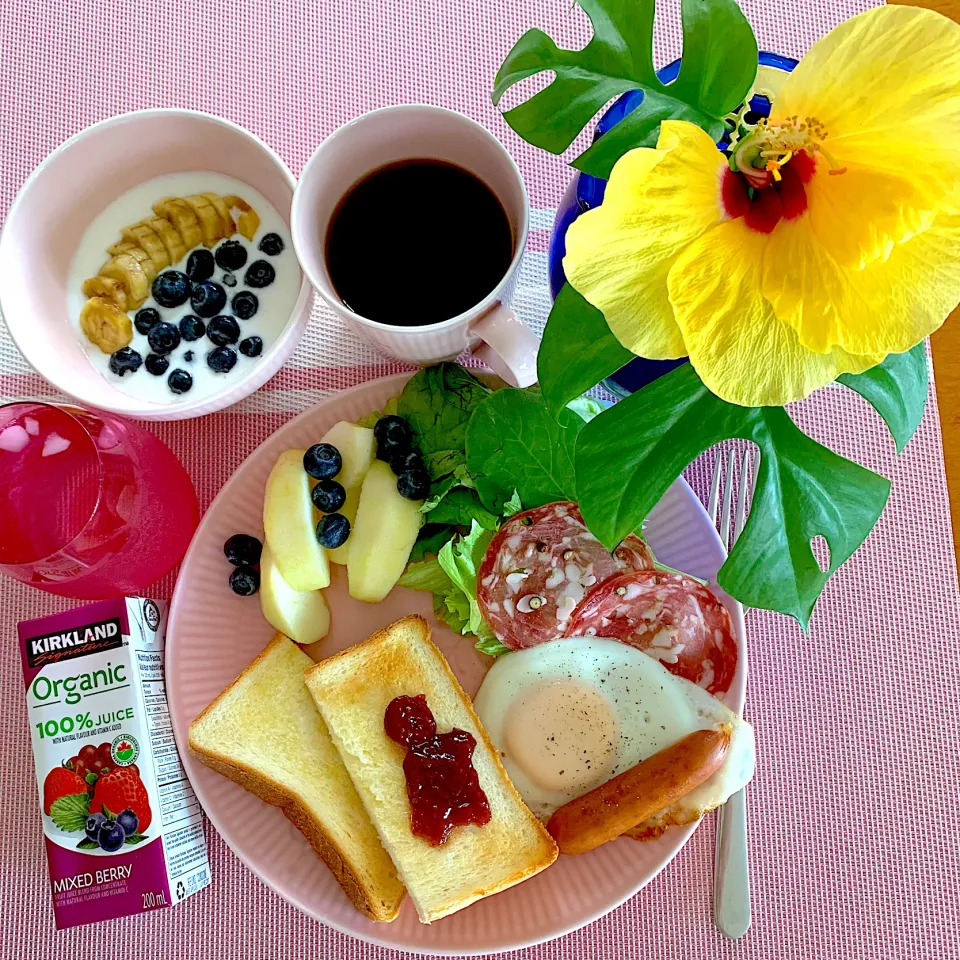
491, 646
430, 539
462, 506
719, 62
619, 58
461, 559
437, 402
87, 844
586, 408
513, 506
135, 838
577, 351
631, 453
897, 390
426, 575
70, 812
515, 445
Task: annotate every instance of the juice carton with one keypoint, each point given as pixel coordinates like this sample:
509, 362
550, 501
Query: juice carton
122, 826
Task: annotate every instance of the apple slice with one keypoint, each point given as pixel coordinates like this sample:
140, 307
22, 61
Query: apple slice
382, 537
341, 554
357, 448
289, 525
302, 616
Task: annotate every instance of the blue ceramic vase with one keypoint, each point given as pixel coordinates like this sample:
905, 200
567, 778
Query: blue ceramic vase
586, 192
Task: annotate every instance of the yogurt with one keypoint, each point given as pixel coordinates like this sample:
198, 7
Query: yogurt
276, 301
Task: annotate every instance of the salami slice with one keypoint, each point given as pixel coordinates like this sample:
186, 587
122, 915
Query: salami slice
667, 615
540, 565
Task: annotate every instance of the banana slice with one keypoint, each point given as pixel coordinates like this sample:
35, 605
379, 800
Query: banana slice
221, 207
105, 324
138, 254
164, 229
184, 220
143, 236
248, 222
125, 268
108, 289
211, 225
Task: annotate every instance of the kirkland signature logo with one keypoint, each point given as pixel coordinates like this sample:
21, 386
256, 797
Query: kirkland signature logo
52, 647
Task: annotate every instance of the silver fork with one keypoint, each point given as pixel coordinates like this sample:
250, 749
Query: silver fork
731, 874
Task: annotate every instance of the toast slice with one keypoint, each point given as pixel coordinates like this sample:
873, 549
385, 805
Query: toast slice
352, 691
264, 733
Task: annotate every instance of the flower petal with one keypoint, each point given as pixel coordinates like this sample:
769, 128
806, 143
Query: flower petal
618, 255
741, 351
887, 307
886, 87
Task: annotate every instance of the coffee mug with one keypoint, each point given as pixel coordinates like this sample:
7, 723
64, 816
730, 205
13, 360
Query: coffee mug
490, 328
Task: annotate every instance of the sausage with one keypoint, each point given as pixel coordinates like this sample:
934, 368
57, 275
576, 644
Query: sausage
540, 565
640, 792
669, 616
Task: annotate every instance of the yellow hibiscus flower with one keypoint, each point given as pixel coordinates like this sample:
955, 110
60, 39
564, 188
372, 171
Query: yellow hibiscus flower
827, 240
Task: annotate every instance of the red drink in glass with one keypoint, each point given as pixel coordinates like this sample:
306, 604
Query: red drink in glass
91, 506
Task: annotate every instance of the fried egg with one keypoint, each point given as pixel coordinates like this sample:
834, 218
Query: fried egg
571, 714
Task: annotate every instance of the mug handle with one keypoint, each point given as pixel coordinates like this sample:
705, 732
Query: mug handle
508, 346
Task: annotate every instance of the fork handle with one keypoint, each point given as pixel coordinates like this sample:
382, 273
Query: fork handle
731, 888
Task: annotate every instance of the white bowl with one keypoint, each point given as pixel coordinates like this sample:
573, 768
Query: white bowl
76, 182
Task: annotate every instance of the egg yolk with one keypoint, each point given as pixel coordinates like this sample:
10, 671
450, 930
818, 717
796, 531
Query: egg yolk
563, 735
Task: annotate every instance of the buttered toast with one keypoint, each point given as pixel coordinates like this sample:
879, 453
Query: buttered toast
264, 733
352, 691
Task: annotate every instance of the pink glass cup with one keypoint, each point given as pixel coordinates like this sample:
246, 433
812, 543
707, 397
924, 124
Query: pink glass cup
91, 506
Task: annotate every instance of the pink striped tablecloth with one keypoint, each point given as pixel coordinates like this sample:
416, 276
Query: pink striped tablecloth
854, 820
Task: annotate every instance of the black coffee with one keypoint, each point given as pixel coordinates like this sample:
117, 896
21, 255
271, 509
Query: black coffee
417, 242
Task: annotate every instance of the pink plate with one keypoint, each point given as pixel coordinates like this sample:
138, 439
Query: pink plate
213, 635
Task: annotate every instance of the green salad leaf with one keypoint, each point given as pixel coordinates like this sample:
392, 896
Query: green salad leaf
577, 351
438, 402
897, 390
430, 539
460, 560
389, 410
460, 507
513, 506
716, 76
515, 445
628, 456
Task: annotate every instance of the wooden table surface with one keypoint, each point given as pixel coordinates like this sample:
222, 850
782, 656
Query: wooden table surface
945, 344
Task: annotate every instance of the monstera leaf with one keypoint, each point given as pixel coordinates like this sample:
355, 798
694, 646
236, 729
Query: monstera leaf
718, 70
628, 456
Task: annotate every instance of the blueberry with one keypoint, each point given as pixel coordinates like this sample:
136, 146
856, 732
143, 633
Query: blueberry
111, 836
156, 364
244, 304
188, 357
221, 360
229, 279
223, 330
163, 338
328, 496
414, 484
243, 550
208, 298
322, 460
333, 530
125, 361
271, 245
231, 255
179, 381
393, 436
192, 328
251, 347
244, 581
171, 288
92, 827
259, 274
405, 461
200, 265
145, 319
128, 822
